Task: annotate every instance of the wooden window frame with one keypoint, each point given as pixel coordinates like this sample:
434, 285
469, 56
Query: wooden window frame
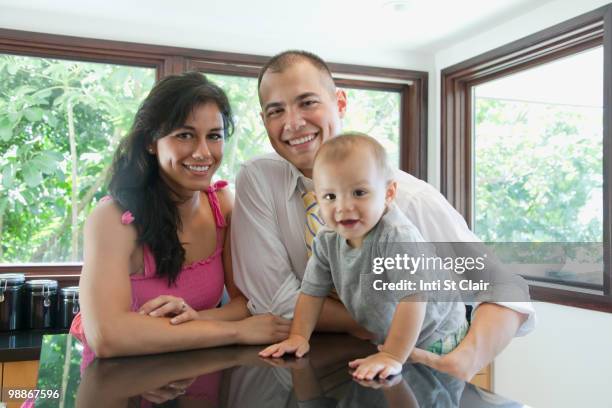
412, 86
570, 37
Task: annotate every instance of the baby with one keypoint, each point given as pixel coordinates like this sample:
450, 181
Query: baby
355, 190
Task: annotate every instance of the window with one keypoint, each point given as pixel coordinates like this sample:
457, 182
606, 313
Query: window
63, 122
250, 138
40, 219
376, 113
538, 160
526, 148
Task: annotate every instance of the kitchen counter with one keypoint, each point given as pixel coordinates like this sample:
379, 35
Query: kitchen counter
23, 345
237, 377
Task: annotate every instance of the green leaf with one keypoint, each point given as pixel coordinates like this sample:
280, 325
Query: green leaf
5, 134
60, 99
46, 162
8, 176
32, 176
24, 90
6, 130
12, 69
33, 114
43, 93
51, 120
15, 117
51, 155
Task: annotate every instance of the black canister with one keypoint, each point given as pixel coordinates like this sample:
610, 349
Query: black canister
41, 299
68, 306
11, 301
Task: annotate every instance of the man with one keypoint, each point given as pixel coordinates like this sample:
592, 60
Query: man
301, 109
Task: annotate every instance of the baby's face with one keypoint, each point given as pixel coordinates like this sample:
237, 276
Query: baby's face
352, 194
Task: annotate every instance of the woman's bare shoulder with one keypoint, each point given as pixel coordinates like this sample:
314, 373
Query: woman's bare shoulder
108, 220
226, 200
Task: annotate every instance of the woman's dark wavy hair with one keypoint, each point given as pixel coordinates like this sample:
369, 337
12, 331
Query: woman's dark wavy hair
135, 181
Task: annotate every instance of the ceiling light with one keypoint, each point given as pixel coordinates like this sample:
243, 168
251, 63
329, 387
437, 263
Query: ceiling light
398, 6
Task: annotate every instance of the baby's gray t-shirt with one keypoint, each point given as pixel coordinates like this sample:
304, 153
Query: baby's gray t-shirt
335, 264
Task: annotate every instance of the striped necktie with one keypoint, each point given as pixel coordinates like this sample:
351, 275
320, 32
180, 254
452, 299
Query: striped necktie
313, 219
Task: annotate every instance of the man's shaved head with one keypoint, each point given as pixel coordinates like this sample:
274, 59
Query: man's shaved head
286, 59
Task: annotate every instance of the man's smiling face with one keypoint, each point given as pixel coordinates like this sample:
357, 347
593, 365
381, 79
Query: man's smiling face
300, 109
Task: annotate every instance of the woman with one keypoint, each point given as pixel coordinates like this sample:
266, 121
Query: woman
157, 251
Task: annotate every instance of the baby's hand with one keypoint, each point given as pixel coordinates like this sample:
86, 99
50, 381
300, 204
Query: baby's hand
381, 364
294, 344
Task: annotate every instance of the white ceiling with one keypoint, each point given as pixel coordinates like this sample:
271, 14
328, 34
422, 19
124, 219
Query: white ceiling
268, 26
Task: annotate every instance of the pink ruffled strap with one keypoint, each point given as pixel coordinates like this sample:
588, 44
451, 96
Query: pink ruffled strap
76, 328
126, 217
211, 191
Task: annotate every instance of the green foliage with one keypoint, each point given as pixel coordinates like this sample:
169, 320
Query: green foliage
376, 113
36, 96
60, 369
250, 138
538, 172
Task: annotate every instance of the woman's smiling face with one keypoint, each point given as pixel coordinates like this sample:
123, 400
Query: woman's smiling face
189, 156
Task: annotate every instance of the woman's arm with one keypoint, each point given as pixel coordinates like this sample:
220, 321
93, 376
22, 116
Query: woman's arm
111, 328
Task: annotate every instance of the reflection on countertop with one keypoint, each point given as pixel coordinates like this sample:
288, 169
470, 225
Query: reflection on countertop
238, 377
22, 345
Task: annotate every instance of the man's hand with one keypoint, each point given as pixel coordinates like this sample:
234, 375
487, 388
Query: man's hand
381, 364
294, 344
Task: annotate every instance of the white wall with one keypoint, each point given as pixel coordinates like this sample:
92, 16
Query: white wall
566, 361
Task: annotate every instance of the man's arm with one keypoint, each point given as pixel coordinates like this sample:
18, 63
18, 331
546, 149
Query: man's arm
493, 325
492, 329
261, 265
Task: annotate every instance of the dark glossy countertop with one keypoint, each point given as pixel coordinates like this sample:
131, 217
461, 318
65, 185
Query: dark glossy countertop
23, 345
237, 377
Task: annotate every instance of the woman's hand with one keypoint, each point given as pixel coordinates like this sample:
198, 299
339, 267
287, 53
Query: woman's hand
169, 306
381, 364
263, 329
168, 392
294, 344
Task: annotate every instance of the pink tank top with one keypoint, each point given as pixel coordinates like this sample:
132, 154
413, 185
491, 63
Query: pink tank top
200, 283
